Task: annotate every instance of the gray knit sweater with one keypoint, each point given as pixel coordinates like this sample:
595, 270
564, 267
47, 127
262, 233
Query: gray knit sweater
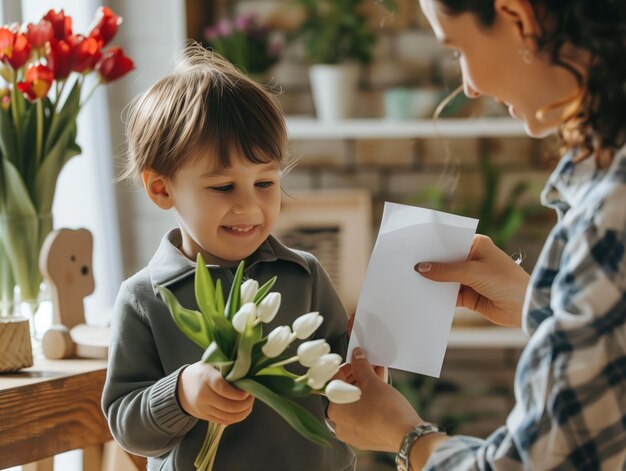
148, 352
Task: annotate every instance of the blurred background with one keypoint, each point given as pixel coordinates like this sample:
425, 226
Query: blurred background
359, 81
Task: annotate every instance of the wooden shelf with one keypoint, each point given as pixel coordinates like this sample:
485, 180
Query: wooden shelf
486, 337
300, 128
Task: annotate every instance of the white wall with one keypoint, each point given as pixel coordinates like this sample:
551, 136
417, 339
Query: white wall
152, 33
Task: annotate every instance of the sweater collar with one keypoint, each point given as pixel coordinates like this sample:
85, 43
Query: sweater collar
169, 264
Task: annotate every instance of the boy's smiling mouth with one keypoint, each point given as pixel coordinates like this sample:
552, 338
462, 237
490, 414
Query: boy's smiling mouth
240, 228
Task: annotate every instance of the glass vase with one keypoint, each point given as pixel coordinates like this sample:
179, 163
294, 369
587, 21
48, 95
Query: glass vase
21, 289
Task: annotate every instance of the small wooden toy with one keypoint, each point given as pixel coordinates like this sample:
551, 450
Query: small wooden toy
66, 264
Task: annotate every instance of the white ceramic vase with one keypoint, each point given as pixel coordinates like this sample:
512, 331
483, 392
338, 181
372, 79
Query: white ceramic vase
334, 89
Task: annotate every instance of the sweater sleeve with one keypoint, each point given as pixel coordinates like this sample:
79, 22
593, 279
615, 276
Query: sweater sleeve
139, 399
326, 301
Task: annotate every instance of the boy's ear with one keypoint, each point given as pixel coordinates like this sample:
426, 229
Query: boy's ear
157, 188
521, 15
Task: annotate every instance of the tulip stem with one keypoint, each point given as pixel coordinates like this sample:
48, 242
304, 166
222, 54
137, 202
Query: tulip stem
285, 362
38, 143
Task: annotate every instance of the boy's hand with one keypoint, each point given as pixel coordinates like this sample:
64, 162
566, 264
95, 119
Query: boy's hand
205, 394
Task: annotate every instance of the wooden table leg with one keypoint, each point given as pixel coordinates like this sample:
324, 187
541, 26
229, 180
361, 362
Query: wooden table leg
92, 457
117, 459
41, 465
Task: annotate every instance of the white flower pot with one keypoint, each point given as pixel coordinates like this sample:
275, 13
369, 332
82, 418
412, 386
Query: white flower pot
334, 90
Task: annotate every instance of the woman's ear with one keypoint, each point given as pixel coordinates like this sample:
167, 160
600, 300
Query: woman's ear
157, 188
520, 15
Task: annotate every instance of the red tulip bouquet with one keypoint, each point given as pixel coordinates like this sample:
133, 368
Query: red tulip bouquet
45, 68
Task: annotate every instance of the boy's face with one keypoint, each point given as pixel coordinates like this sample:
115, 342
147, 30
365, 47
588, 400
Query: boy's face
225, 213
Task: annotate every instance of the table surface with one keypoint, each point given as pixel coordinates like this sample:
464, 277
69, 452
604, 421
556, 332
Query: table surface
50, 408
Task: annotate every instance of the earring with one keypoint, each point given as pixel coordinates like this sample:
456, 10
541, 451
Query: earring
527, 56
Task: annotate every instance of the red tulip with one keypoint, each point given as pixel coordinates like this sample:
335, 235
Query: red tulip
106, 25
59, 56
39, 34
114, 64
7, 38
86, 53
14, 48
61, 24
37, 82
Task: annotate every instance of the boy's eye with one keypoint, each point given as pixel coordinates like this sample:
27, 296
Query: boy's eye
222, 188
266, 184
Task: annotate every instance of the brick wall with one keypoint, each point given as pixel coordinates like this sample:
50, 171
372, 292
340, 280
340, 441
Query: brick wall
406, 55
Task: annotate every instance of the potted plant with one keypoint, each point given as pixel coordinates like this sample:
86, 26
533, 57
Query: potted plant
336, 38
247, 42
48, 73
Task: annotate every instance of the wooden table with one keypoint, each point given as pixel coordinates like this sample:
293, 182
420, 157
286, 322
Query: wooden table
50, 408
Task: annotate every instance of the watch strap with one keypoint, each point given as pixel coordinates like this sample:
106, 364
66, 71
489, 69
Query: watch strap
402, 458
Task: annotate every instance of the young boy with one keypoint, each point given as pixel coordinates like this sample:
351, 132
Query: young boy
208, 142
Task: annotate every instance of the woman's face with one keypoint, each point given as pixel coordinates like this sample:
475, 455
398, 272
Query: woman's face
494, 60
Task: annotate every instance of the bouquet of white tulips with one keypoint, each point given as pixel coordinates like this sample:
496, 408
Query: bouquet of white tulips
231, 335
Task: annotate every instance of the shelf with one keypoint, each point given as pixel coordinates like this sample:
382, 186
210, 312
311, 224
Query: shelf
486, 337
310, 128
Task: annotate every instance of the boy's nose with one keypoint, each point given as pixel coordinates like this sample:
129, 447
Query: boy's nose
245, 205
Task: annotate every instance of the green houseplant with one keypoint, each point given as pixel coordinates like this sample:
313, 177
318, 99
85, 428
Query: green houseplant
336, 38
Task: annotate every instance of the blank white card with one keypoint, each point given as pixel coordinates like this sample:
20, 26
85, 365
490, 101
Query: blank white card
402, 319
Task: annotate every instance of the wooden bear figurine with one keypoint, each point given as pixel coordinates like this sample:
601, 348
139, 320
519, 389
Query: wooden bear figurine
66, 264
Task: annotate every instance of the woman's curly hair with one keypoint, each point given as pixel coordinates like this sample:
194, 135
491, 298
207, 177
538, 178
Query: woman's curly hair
598, 27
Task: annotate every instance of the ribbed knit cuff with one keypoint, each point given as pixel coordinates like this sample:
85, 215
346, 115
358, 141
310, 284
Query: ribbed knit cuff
166, 409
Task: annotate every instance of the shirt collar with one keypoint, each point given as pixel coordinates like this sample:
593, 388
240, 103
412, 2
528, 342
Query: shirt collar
571, 181
169, 264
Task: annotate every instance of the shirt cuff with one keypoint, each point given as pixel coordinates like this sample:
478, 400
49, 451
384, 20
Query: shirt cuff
165, 408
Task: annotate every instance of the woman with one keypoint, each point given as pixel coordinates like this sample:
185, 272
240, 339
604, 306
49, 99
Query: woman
559, 66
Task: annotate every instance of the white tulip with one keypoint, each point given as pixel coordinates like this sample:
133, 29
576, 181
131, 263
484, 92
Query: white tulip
310, 352
249, 289
341, 392
326, 367
267, 309
305, 325
244, 317
277, 341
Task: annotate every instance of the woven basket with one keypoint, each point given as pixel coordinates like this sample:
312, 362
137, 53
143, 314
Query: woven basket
15, 348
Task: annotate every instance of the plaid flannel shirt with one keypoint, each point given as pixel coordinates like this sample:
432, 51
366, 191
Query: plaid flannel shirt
570, 383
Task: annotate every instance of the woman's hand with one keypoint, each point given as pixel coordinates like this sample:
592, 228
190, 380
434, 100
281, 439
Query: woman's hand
492, 284
205, 394
380, 419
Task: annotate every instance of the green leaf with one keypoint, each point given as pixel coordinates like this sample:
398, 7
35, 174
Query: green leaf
64, 118
204, 288
264, 291
219, 298
220, 328
297, 416
20, 231
283, 385
215, 356
247, 339
232, 305
191, 323
18, 201
276, 371
54, 160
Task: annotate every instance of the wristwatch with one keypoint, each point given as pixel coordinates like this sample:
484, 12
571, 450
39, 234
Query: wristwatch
402, 458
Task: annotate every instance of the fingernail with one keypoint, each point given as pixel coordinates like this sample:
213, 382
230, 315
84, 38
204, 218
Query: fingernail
358, 354
423, 267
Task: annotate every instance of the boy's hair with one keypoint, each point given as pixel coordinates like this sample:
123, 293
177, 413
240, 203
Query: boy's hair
205, 105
